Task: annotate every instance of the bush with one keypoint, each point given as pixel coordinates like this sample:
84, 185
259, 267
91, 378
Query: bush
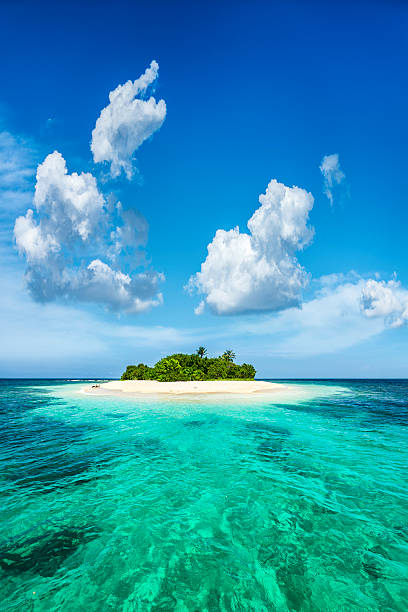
168, 370
139, 372
192, 374
182, 366
247, 371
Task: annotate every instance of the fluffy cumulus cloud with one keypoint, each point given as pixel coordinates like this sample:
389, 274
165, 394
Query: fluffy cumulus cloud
332, 174
329, 321
127, 121
71, 230
258, 271
385, 300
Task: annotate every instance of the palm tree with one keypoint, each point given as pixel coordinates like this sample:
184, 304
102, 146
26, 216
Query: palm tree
229, 356
201, 351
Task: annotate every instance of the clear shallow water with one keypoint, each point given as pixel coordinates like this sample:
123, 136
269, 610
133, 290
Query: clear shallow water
296, 501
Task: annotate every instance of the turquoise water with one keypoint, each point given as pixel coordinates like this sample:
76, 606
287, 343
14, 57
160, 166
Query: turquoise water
296, 501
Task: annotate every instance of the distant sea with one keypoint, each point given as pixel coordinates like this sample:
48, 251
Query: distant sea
293, 502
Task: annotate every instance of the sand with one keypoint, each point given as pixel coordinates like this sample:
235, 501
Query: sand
152, 387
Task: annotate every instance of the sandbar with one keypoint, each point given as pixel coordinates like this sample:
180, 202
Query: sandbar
152, 387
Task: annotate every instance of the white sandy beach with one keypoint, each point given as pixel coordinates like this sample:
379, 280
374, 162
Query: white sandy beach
183, 387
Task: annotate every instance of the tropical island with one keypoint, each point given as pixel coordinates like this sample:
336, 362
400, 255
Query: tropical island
196, 366
184, 373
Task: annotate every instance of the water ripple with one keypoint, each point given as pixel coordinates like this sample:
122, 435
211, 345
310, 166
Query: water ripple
120, 504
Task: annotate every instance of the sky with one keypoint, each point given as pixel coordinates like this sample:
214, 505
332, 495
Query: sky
226, 174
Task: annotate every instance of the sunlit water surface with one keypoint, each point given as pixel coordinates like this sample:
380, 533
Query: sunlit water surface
293, 501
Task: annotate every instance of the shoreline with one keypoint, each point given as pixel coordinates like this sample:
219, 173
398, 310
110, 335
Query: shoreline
189, 387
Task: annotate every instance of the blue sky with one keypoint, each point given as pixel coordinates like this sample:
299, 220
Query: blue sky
253, 92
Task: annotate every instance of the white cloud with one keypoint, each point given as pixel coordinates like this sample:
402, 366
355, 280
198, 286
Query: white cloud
72, 342
127, 122
70, 207
73, 227
32, 240
132, 230
72, 198
55, 339
100, 283
329, 322
386, 300
332, 174
200, 308
258, 271
344, 311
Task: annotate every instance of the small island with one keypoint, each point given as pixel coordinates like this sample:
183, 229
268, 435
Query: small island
197, 366
183, 373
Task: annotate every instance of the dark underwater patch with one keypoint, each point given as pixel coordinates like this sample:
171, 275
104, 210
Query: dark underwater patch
374, 562
402, 532
291, 577
53, 471
38, 432
41, 449
45, 554
195, 424
372, 403
200, 422
17, 399
270, 439
268, 449
50, 472
148, 448
262, 429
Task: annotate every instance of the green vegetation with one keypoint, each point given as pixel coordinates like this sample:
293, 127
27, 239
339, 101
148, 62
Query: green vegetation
197, 366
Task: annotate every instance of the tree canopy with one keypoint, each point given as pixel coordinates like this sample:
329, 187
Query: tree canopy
197, 366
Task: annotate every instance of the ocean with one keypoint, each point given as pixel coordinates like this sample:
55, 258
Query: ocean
296, 501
